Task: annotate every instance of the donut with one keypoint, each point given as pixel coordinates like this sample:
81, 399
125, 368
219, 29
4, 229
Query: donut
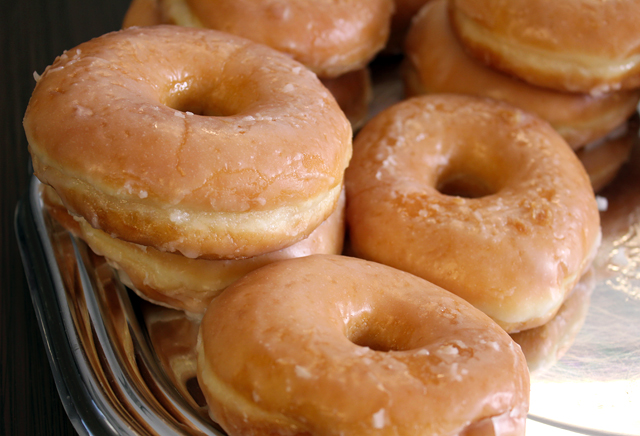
437, 63
330, 345
575, 46
478, 197
544, 346
189, 141
175, 281
330, 38
603, 159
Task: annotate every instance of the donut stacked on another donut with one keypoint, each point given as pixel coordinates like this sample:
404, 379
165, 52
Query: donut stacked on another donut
329, 345
332, 39
478, 197
188, 146
438, 62
179, 282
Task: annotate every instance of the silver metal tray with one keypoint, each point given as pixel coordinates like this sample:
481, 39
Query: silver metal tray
120, 370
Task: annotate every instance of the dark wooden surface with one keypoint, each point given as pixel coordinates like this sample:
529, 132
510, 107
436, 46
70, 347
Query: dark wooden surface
32, 33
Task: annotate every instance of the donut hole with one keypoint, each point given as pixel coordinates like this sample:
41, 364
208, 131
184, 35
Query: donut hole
464, 184
199, 99
391, 327
200, 106
375, 339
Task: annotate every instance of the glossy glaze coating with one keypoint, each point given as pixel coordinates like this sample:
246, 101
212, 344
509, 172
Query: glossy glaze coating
330, 345
475, 196
189, 140
437, 63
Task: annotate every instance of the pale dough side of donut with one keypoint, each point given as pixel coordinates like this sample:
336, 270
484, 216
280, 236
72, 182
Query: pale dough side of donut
187, 284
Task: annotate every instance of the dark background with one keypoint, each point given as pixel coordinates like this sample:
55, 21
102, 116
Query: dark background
32, 34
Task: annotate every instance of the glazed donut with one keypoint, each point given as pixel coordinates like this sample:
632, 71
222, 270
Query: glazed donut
334, 345
543, 346
602, 160
437, 63
189, 140
178, 282
478, 197
330, 38
575, 46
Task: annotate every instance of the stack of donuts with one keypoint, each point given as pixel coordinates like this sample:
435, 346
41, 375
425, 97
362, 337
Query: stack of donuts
213, 169
187, 169
336, 40
573, 64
